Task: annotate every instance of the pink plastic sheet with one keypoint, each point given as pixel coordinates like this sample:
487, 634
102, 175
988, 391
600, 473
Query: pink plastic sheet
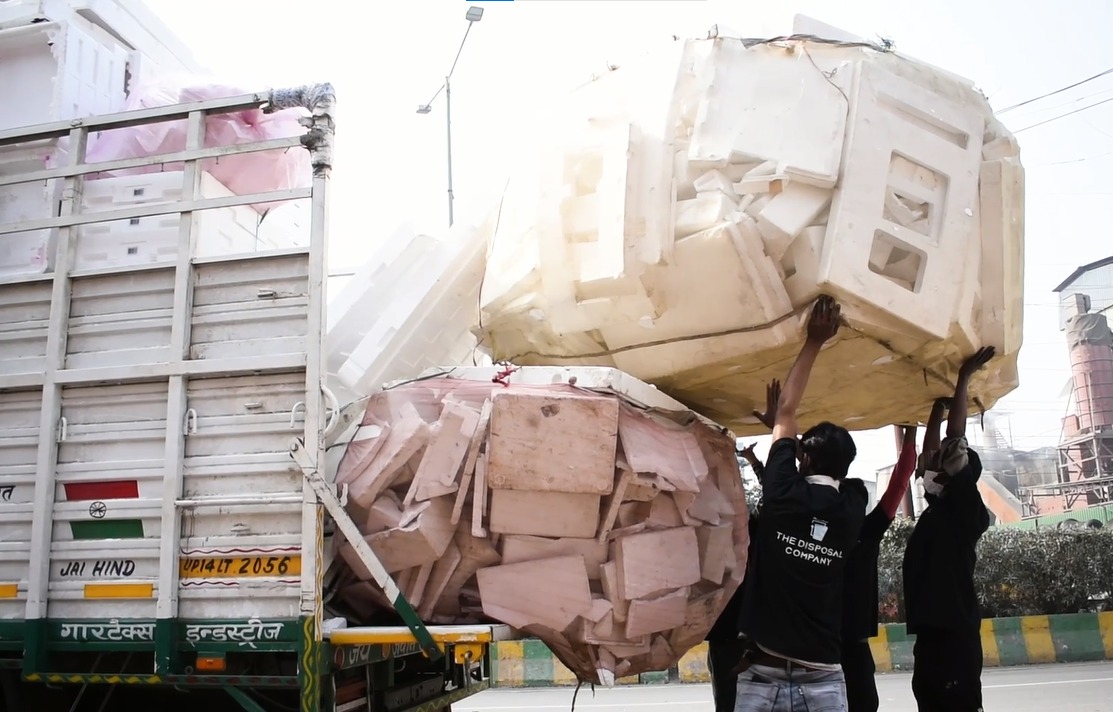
243, 174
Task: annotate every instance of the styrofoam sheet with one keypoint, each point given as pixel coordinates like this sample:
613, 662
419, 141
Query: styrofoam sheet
53, 71
25, 253
905, 140
798, 122
153, 239
420, 309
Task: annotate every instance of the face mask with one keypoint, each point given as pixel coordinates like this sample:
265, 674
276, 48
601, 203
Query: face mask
931, 485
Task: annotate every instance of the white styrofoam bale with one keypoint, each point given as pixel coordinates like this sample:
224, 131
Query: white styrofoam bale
424, 323
346, 310
998, 148
578, 268
713, 181
906, 162
752, 205
612, 140
54, 71
20, 13
798, 123
801, 263
788, 212
708, 268
156, 47
604, 257
631, 108
152, 239
1002, 254
701, 212
25, 253
998, 314
159, 49
685, 185
693, 80
906, 138
804, 25
759, 179
286, 226
359, 308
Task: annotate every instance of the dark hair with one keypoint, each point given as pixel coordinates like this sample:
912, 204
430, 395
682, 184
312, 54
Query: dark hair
830, 449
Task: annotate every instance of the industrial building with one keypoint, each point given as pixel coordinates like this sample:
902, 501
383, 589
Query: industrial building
1071, 483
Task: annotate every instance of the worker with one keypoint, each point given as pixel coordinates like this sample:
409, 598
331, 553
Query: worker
724, 647
752, 460
941, 603
811, 515
860, 600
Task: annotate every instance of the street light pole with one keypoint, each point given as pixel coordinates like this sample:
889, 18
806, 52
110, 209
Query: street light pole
448, 121
474, 15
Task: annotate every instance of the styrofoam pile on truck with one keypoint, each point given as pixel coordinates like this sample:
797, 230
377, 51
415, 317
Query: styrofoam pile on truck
685, 210
409, 308
580, 506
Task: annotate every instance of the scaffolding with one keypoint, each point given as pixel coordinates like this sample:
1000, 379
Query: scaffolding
1084, 471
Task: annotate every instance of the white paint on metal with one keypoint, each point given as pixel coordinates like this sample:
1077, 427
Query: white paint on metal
41, 517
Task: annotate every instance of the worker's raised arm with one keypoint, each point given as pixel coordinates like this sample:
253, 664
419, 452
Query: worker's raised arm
772, 399
902, 473
956, 421
756, 465
934, 423
823, 324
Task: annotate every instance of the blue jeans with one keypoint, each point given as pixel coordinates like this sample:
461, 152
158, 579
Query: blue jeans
790, 689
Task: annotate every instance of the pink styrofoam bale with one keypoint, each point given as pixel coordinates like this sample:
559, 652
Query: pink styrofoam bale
243, 174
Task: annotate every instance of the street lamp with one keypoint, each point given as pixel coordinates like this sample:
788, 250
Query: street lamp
473, 15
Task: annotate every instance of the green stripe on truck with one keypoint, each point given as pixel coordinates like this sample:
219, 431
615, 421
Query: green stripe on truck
88, 530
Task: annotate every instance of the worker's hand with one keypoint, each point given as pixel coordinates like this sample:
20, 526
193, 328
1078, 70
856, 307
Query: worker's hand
772, 399
942, 405
824, 321
978, 361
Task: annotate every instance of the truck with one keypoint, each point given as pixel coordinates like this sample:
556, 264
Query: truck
166, 518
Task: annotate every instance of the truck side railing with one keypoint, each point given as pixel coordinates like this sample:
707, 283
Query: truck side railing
319, 101
323, 417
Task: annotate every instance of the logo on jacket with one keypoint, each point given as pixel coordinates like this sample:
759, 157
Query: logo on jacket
819, 529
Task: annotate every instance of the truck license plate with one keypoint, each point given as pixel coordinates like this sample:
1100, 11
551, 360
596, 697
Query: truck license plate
240, 567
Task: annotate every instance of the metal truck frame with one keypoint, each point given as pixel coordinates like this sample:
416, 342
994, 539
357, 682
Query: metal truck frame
197, 565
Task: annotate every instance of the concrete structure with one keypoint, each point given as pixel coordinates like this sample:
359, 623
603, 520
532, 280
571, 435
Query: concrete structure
1028, 640
1095, 280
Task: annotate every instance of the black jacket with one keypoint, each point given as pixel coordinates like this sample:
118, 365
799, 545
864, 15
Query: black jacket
794, 605
725, 629
941, 555
859, 609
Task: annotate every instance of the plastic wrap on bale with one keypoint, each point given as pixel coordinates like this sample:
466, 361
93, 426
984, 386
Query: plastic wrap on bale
614, 532
243, 174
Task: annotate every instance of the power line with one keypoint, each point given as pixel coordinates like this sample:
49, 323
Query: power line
1075, 160
1057, 91
1063, 116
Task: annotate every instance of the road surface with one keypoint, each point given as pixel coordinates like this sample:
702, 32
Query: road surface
1086, 687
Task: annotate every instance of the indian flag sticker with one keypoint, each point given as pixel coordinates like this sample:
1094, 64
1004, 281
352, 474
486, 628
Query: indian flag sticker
98, 525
